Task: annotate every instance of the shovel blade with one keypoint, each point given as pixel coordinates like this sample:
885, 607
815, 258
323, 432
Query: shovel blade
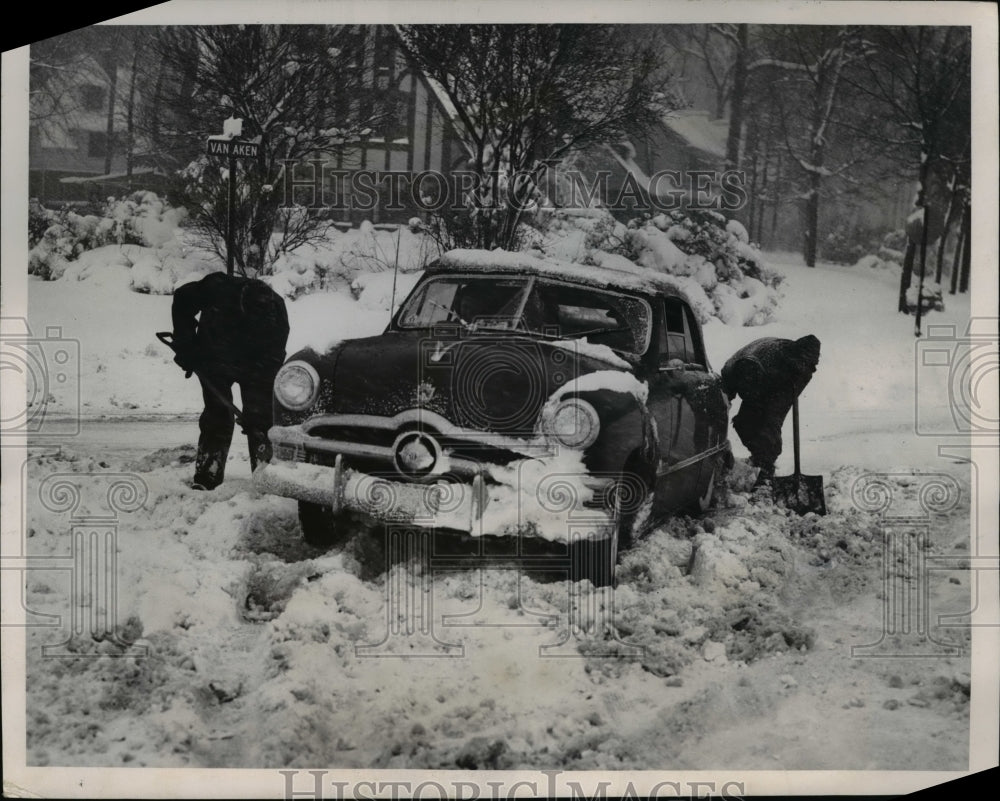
799, 493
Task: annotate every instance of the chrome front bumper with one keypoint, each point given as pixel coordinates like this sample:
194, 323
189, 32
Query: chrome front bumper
550, 493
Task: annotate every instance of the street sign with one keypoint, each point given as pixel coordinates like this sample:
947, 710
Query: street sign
235, 148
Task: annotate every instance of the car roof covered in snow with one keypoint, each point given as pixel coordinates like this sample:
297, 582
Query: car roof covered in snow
498, 262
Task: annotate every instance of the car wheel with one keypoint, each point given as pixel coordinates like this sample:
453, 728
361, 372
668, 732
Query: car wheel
321, 526
596, 559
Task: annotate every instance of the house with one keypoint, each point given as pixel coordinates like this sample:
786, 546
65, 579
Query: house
77, 146
382, 177
72, 157
678, 164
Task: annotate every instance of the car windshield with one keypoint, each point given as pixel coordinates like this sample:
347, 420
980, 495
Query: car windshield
545, 307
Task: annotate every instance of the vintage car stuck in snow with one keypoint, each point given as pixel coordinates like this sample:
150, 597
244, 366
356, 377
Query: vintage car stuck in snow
511, 398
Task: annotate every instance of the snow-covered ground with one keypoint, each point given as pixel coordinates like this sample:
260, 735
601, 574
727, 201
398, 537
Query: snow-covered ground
727, 642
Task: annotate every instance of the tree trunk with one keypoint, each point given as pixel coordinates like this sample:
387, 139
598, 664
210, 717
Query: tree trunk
963, 285
737, 99
756, 224
812, 220
907, 275
130, 111
954, 210
110, 130
774, 206
963, 246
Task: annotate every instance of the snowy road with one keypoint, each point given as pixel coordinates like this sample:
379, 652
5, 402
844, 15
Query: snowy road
725, 638
872, 440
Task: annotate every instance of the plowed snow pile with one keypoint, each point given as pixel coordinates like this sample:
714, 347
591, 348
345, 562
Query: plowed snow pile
726, 643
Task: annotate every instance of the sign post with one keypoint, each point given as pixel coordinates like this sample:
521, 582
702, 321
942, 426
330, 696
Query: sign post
230, 144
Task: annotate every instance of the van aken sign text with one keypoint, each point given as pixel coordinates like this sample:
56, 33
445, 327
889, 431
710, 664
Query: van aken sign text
235, 148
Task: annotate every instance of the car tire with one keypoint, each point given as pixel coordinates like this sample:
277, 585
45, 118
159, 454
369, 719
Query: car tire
596, 559
321, 526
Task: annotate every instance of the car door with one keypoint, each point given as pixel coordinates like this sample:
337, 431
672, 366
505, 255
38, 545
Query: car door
685, 400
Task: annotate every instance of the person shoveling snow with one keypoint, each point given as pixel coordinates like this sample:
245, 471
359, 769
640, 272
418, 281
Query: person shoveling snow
240, 337
768, 374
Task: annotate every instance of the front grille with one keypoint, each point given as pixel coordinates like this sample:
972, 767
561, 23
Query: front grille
482, 452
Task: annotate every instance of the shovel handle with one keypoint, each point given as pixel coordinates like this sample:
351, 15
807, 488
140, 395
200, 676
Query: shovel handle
795, 434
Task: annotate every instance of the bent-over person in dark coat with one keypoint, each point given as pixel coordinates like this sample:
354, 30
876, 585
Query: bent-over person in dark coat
239, 338
768, 375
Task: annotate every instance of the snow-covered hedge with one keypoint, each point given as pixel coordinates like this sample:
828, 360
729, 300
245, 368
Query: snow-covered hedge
723, 274
138, 219
346, 255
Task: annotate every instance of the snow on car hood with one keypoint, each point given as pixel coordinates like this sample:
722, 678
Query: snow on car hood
490, 382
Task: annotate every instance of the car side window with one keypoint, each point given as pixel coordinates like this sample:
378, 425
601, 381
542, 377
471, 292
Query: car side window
680, 340
675, 338
695, 347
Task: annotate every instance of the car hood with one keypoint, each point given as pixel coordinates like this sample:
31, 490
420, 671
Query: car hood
495, 382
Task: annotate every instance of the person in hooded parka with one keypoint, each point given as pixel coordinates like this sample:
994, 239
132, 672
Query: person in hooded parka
230, 330
768, 375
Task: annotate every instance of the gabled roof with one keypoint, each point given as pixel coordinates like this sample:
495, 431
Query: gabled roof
699, 130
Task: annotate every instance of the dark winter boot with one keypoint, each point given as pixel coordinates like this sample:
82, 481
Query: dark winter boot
209, 468
764, 476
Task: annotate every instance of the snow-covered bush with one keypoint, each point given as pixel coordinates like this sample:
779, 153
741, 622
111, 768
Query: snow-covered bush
39, 220
344, 255
139, 219
724, 275
931, 298
846, 244
893, 247
874, 261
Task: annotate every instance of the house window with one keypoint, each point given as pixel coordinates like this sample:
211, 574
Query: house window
92, 97
396, 108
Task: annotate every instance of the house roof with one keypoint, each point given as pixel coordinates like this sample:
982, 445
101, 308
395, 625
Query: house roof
699, 130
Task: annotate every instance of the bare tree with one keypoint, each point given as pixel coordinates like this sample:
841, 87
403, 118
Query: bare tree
922, 78
526, 96
301, 91
804, 68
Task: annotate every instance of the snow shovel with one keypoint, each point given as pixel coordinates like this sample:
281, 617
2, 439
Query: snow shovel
797, 492
167, 338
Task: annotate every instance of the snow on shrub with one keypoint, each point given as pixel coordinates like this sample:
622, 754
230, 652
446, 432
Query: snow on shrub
345, 255
931, 298
877, 262
142, 218
723, 274
374, 291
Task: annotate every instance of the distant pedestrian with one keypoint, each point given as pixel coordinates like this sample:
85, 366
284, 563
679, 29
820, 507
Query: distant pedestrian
239, 337
768, 375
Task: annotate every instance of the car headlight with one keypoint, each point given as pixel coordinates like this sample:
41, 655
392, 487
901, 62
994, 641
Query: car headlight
573, 422
296, 385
